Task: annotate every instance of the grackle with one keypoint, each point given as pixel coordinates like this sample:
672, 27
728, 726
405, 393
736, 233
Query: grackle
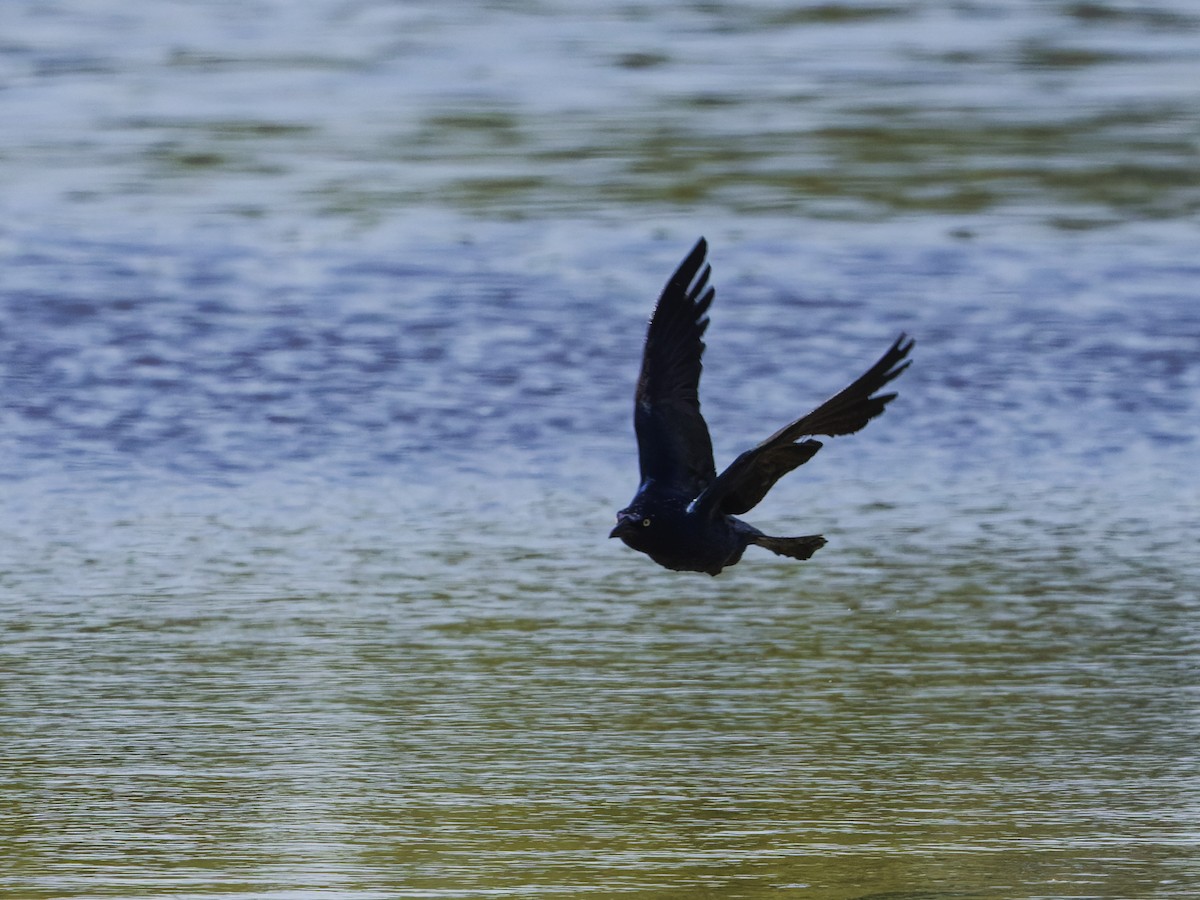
682, 516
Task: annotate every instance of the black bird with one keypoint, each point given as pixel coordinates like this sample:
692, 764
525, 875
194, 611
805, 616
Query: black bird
682, 516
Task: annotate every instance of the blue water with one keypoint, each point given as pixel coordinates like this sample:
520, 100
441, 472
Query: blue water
318, 334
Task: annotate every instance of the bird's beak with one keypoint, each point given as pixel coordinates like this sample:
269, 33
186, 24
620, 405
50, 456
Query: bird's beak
622, 527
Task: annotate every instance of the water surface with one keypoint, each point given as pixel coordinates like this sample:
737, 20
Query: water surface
318, 332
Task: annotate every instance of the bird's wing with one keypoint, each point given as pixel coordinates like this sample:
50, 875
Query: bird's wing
744, 484
674, 447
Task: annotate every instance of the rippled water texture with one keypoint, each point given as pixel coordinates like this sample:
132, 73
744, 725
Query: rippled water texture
1072, 113
318, 331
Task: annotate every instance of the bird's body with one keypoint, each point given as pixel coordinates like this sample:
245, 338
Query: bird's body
677, 538
684, 515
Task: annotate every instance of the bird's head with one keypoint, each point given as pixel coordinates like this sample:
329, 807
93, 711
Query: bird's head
632, 526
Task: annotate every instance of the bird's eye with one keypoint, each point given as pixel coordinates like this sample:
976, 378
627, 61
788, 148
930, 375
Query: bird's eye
645, 523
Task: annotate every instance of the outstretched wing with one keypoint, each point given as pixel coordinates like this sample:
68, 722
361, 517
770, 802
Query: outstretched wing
674, 447
744, 484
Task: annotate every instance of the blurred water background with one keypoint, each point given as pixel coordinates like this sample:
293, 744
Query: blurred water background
318, 330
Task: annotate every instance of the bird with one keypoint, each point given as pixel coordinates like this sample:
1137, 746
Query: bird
684, 515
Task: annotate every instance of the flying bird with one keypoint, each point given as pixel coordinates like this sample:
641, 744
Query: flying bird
683, 515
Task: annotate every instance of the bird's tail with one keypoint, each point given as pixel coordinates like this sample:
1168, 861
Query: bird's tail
795, 547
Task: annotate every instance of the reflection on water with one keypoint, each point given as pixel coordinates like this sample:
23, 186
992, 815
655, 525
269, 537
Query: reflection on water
593, 728
304, 589
1073, 114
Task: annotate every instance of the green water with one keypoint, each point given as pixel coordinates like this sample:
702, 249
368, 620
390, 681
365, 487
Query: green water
299, 706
